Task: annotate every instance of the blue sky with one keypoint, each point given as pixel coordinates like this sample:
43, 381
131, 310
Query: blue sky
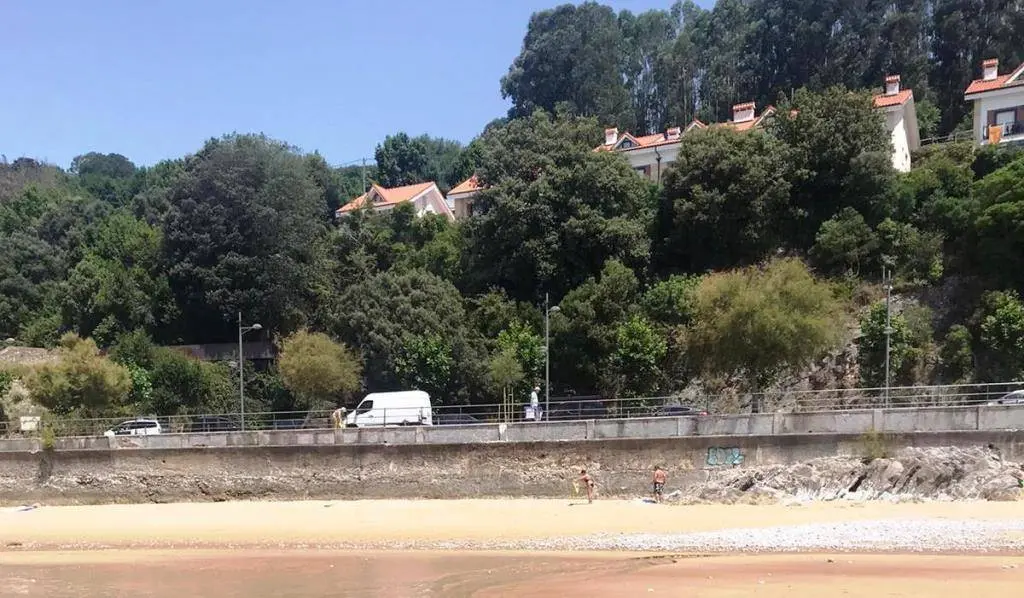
153, 79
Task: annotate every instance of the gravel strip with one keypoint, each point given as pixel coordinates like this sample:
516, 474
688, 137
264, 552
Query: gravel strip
885, 535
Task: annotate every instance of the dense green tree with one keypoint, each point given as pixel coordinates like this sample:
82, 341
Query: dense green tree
119, 285
555, 210
527, 346
634, 366
956, 358
319, 371
841, 154
184, 385
584, 331
571, 55
673, 301
763, 321
844, 243
1000, 322
82, 382
240, 235
399, 319
403, 160
1000, 225
648, 39
910, 346
725, 201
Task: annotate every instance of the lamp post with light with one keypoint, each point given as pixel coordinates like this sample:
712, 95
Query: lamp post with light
547, 355
241, 370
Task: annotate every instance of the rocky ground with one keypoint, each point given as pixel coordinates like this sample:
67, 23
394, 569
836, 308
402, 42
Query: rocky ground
929, 474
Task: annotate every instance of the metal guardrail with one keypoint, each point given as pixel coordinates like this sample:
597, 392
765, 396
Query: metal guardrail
573, 409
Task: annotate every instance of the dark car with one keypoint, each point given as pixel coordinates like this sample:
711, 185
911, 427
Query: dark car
454, 419
212, 423
678, 411
577, 409
288, 424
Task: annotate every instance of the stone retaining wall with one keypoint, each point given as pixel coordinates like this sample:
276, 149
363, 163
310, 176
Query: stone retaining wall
316, 467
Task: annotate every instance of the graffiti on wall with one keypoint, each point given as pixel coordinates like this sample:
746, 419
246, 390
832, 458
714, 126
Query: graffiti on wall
724, 456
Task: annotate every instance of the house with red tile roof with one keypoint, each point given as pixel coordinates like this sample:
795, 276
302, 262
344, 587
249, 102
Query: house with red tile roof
425, 197
998, 104
745, 117
460, 198
900, 121
649, 155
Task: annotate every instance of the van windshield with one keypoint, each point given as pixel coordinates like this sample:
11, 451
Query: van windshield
364, 406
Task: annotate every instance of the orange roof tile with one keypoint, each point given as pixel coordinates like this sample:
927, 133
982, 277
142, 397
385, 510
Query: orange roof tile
896, 99
641, 142
981, 85
749, 124
467, 186
391, 196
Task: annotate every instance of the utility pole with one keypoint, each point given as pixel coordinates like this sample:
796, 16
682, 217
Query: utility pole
887, 281
363, 188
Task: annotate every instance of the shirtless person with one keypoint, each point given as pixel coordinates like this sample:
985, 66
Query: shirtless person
588, 483
660, 477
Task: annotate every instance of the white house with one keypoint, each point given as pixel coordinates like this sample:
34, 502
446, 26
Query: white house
998, 104
647, 154
425, 197
460, 198
900, 121
650, 155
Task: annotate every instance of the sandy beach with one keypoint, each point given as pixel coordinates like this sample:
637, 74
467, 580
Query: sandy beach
359, 548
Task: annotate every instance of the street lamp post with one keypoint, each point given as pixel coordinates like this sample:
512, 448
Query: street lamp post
547, 355
887, 281
241, 370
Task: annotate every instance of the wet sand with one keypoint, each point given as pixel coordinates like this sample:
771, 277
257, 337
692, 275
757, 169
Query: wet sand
390, 523
265, 574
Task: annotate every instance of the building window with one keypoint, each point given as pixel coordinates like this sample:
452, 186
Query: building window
626, 144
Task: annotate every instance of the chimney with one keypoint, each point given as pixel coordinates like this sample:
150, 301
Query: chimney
673, 133
990, 69
611, 136
742, 113
892, 85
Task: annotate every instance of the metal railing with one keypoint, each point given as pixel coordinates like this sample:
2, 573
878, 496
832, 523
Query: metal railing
570, 409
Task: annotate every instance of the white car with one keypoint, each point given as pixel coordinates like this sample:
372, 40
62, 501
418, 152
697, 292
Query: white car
1014, 398
135, 427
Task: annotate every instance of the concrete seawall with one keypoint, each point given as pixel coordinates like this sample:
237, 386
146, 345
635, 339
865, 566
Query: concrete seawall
432, 470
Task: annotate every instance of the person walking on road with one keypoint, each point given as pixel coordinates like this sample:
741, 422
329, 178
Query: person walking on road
535, 403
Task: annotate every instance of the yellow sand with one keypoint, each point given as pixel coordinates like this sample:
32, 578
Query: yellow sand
374, 521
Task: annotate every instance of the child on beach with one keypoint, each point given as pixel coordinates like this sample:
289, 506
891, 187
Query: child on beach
588, 483
660, 477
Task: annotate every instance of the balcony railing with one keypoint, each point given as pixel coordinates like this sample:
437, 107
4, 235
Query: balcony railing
1009, 129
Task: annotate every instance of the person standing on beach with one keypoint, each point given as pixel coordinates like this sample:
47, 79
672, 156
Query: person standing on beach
660, 477
588, 483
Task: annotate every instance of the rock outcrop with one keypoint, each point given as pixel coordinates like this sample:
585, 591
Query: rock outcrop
912, 473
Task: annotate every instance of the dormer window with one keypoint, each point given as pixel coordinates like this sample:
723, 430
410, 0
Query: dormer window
626, 144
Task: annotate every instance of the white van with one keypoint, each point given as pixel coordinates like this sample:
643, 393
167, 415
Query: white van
406, 408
